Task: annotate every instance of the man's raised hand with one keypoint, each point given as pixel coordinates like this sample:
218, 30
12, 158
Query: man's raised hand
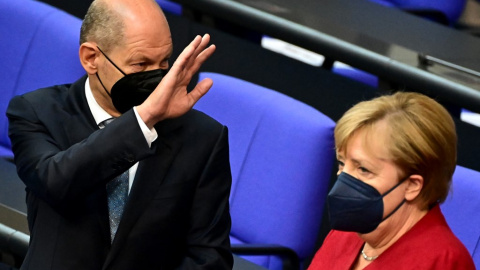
170, 99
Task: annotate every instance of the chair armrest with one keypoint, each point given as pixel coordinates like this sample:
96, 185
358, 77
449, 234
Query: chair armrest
13, 242
289, 257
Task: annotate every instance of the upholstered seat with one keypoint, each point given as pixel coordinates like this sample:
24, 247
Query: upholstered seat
282, 155
39, 45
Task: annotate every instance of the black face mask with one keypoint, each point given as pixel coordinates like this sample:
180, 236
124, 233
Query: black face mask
133, 89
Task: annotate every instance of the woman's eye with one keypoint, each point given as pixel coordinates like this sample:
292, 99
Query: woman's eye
364, 170
340, 164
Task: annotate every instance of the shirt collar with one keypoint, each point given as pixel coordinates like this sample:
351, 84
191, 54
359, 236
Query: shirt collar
99, 114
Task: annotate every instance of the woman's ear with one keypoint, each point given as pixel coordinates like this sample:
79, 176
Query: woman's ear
88, 57
414, 187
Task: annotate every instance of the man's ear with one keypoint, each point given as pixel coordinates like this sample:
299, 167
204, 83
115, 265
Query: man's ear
414, 186
88, 57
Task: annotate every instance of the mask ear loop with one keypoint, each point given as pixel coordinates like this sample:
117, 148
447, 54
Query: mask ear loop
124, 74
400, 205
395, 210
104, 88
109, 60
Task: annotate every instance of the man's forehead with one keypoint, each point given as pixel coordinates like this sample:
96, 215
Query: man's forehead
134, 11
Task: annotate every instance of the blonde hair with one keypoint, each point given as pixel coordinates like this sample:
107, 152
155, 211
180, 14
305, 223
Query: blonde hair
421, 138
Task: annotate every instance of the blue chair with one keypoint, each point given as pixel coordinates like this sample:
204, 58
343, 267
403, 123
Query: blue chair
386, 3
446, 12
171, 7
39, 45
442, 11
355, 74
461, 210
282, 156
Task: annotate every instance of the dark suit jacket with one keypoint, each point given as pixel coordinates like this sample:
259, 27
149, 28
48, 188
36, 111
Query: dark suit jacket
177, 214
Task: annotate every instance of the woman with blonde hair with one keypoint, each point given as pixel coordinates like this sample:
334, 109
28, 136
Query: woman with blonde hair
396, 156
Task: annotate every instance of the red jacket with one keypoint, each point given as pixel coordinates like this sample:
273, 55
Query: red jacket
430, 244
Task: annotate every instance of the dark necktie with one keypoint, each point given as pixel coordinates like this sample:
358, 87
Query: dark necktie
117, 192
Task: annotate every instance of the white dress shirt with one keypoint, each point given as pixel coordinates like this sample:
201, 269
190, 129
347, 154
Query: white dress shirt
100, 115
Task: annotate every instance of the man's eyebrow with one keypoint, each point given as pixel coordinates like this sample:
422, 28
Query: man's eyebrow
169, 54
136, 57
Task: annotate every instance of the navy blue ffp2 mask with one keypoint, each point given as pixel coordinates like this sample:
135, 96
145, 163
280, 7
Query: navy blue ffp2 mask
356, 206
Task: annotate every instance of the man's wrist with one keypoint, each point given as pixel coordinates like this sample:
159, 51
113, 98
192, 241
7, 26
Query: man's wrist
146, 117
149, 132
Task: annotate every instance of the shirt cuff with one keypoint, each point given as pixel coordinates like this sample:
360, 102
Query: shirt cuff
150, 134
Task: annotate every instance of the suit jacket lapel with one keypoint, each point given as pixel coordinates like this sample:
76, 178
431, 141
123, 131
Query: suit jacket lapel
148, 179
78, 124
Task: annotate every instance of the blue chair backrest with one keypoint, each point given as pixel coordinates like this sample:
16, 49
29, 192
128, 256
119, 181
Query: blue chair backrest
452, 9
171, 7
39, 46
282, 155
387, 3
462, 210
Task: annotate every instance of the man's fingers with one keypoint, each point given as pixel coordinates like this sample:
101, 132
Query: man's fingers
200, 90
202, 57
198, 50
192, 57
203, 44
187, 53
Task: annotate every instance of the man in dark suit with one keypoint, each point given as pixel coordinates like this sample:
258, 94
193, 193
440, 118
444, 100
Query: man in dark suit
170, 209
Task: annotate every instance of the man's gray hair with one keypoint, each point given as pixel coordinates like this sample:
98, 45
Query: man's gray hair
102, 25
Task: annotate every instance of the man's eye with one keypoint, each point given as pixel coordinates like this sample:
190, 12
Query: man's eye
165, 64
